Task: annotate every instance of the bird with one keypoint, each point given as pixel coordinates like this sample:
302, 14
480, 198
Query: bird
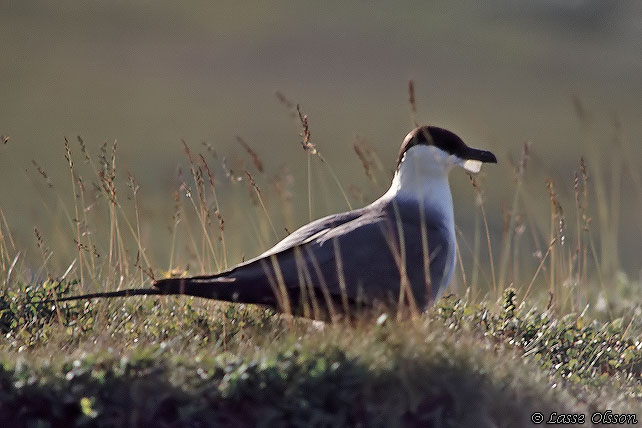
398, 251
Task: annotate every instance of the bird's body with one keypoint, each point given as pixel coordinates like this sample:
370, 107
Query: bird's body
399, 250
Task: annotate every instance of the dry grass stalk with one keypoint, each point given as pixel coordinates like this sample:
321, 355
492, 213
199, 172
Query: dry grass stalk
425, 250
312, 150
283, 183
309, 149
480, 197
520, 170
176, 219
286, 304
356, 193
4, 256
256, 160
578, 237
83, 149
6, 240
554, 234
42, 172
193, 251
8, 235
460, 262
45, 253
76, 219
370, 156
134, 187
286, 103
340, 275
91, 247
475, 254
366, 158
202, 211
539, 267
260, 199
412, 102
217, 212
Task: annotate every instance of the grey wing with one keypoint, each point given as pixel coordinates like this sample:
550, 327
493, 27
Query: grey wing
311, 231
298, 237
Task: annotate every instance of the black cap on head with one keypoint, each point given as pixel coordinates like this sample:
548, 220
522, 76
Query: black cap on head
444, 140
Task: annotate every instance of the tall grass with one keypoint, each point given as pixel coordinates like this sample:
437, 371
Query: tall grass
566, 263
548, 252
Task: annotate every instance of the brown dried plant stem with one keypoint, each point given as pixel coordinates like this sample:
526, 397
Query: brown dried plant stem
177, 220
475, 253
552, 238
312, 150
201, 220
90, 243
585, 219
116, 240
258, 195
461, 267
578, 239
635, 176
134, 188
5, 258
608, 235
474, 277
425, 249
188, 226
505, 253
488, 241
219, 215
336, 180
412, 102
539, 267
309, 161
62, 205
405, 292
77, 218
202, 210
588, 240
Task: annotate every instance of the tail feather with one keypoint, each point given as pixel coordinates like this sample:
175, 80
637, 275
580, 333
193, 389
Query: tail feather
218, 288
226, 289
119, 293
221, 288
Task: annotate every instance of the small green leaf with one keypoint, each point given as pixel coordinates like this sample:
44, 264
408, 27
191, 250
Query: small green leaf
86, 407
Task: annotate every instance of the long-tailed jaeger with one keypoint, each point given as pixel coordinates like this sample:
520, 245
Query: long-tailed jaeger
398, 250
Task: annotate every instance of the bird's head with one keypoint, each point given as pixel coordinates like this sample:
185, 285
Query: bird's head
440, 149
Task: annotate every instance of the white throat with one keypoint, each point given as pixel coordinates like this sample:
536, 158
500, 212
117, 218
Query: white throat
423, 177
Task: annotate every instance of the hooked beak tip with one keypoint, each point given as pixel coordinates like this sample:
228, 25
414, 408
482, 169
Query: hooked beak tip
473, 163
491, 158
484, 156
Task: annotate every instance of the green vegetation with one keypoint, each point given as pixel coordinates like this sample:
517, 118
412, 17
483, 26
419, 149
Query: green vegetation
185, 362
546, 322
487, 358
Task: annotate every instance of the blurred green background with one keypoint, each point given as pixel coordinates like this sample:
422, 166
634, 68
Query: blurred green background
565, 75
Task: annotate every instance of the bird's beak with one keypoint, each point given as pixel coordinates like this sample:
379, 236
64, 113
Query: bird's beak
474, 158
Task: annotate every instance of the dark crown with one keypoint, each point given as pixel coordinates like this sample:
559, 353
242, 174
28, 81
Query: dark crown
444, 140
